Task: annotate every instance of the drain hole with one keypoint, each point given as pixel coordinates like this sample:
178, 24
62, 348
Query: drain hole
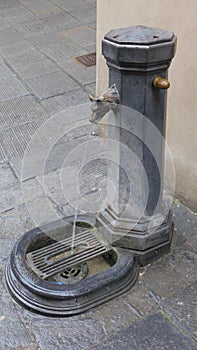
72, 274
74, 271
83, 224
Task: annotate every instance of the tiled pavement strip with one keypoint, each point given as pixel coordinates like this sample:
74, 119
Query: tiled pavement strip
39, 77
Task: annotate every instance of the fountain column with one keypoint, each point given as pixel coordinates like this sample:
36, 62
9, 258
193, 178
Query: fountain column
138, 59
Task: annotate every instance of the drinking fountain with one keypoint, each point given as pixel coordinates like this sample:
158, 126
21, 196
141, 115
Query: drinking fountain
138, 59
50, 273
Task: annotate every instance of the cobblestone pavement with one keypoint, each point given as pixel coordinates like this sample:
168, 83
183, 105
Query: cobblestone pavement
39, 77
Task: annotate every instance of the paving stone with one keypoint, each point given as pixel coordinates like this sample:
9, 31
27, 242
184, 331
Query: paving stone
15, 14
31, 190
81, 35
30, 145
83, 74
5, 24
91, 88
15, 141
36, 69
83, 12
6, 246
46, 39
17, 197
77, 188
2, 287
113, 316
51, 85
42, 211
83, 18
30, 27
9, 4
44, 12
38, 6
77, 50
5, 72
91, 2
58, 154
51, 184
11, 200
39, 136
14, 194
152, 332
92, 25
68, 210
60, 52
11, 88
19, 59
7, 177
16, 221
12, 37
141, 299
177, 241
182, 310
18, 47
38, 162
64, 154
13, 333
60, 20
47, 152
77, 131
69, 119
34, 165
5, 204
56, 104
184, 219
3, 157
172, 272
20, 111
68, 333
60, 185
90, 48
68, 5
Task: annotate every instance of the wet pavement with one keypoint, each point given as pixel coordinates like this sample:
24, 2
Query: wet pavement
39, 78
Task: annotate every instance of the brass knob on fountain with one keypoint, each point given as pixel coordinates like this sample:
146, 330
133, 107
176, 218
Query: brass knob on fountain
161, 83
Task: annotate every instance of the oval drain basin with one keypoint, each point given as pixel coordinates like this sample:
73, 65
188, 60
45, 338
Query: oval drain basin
45, 276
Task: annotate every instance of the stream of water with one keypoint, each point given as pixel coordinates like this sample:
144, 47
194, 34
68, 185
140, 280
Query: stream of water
77, 204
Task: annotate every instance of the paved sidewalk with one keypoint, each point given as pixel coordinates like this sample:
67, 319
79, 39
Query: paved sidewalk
39, 73
39, 77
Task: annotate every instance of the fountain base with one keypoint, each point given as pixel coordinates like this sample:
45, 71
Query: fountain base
45, 280
148, 240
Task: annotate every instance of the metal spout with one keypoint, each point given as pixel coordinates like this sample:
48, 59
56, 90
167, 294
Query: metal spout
101, 105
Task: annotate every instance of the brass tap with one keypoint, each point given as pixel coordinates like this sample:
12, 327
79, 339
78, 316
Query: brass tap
161, 83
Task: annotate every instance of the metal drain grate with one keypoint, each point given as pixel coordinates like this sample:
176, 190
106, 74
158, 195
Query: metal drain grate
87, 60
56, 258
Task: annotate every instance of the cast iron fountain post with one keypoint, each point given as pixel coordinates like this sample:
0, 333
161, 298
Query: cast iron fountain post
41, 274
138, 59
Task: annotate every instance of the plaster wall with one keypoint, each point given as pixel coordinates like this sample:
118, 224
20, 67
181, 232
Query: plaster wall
178, 16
